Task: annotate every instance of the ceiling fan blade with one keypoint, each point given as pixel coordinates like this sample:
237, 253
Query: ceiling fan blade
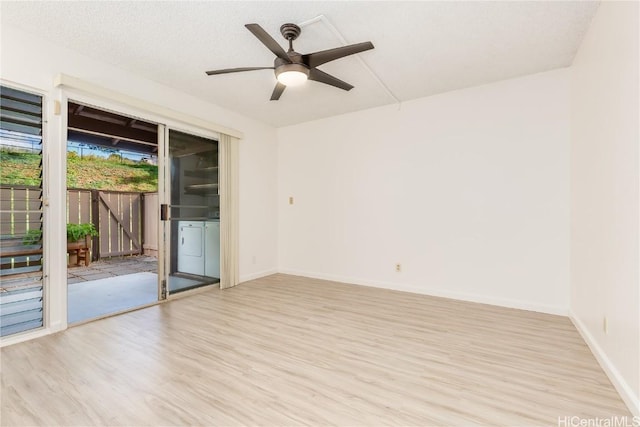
322, 77
268, 41
277, 91
324, 56
236, 70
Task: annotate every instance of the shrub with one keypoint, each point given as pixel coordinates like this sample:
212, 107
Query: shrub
33, 237
75, 232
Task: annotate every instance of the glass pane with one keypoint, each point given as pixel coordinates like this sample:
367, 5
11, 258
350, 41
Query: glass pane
195, 212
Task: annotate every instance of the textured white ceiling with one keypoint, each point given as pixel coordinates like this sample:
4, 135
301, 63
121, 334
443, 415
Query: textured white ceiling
421, 48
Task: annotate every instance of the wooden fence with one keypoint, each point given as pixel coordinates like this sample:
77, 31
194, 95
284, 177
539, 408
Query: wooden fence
150, 220
126, 222
20, 211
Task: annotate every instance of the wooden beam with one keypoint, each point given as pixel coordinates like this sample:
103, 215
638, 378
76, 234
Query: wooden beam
112, 129
104, 135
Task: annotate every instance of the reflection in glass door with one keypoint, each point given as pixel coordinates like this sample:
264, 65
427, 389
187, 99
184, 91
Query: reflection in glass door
192, 216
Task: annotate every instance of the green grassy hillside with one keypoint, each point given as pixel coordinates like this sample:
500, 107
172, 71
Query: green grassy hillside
90, 172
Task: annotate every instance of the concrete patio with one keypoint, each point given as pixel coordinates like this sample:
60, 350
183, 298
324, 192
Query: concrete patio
112, 267
113, 285
93, 292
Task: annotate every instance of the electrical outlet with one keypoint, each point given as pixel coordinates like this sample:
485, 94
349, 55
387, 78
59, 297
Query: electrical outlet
398, 267
253, 260
605, 325
290, 200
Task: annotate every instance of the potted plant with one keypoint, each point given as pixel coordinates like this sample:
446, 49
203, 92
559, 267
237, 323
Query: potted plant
77, 232
79, 241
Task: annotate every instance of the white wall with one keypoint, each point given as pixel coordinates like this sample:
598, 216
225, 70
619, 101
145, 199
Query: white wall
605, 194
34, 62
468, 190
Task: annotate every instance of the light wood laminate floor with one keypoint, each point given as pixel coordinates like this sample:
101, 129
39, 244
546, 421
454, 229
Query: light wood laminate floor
285, 350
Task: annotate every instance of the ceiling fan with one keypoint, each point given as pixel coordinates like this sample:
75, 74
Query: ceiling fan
292, 68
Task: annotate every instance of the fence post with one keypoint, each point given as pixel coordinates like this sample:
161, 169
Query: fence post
95, 219
142, 230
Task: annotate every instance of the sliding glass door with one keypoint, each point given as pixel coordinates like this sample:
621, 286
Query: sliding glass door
190, 212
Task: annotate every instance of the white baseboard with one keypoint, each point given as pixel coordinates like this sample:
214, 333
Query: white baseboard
259, 274
630, 399
25, 336
482, 299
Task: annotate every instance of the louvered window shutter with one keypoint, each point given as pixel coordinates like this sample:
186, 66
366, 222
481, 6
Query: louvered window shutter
21, 225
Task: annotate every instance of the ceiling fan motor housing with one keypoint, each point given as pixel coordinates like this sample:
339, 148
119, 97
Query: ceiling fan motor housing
290, 31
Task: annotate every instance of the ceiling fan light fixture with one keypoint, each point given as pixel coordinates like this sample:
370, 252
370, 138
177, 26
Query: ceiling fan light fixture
292, 78
292, 74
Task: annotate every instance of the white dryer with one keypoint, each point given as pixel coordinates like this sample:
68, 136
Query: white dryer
191, 247
199, 248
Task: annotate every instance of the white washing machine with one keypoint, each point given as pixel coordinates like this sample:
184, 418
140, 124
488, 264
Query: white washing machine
212, 249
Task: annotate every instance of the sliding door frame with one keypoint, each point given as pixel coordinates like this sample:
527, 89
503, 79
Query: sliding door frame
164, 125
165, 197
